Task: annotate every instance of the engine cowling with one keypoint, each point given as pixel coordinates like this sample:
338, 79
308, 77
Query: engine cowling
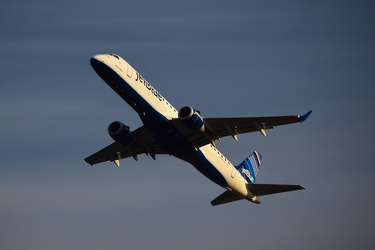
120, 133
192, 118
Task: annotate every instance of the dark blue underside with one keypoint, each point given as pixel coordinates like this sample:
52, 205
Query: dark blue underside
168, 137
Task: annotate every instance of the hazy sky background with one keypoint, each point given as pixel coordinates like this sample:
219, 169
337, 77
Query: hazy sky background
225, 58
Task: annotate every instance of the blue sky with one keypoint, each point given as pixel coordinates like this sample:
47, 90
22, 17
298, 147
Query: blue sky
225, 58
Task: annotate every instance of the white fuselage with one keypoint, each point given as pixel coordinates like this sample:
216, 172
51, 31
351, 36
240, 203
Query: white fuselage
151, 105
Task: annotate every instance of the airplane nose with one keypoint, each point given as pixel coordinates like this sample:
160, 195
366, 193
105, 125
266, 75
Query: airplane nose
97, 63
98, 58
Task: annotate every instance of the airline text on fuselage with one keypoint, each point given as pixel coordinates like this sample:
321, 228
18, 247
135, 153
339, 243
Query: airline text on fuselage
140, 79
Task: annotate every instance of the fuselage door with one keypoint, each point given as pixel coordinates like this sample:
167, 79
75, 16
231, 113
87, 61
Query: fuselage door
129, 71
234, 171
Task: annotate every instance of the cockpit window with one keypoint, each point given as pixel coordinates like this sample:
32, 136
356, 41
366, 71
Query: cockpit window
115, 56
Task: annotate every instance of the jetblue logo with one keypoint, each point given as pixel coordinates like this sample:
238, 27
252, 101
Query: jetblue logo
247, 174
140, 79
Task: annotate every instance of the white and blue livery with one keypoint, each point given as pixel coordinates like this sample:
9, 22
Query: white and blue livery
183, 133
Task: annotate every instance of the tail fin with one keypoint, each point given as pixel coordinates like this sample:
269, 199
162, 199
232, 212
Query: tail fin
250, 166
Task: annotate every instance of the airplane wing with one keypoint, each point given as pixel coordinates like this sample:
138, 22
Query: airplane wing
217, 128
144, 142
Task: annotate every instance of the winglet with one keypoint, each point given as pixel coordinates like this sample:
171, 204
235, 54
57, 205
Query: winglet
304, 117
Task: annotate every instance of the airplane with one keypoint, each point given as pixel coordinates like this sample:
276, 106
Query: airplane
184, 134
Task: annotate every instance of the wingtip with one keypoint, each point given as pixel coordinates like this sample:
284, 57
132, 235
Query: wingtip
305, 116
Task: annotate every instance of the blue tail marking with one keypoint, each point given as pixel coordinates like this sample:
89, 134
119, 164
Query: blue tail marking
250, 166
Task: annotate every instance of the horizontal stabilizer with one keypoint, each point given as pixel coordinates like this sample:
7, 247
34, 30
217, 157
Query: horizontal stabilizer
225, 197
266, 189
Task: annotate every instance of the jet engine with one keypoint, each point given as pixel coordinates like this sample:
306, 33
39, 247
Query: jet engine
192, 118
120, 133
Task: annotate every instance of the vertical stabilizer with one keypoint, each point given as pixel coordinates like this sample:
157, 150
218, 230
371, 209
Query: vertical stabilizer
250, 166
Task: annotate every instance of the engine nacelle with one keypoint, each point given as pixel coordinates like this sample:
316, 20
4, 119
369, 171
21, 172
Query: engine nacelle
192, 118
120, 133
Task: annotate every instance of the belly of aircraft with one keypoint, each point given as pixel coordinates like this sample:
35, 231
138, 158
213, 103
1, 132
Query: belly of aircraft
174, 143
